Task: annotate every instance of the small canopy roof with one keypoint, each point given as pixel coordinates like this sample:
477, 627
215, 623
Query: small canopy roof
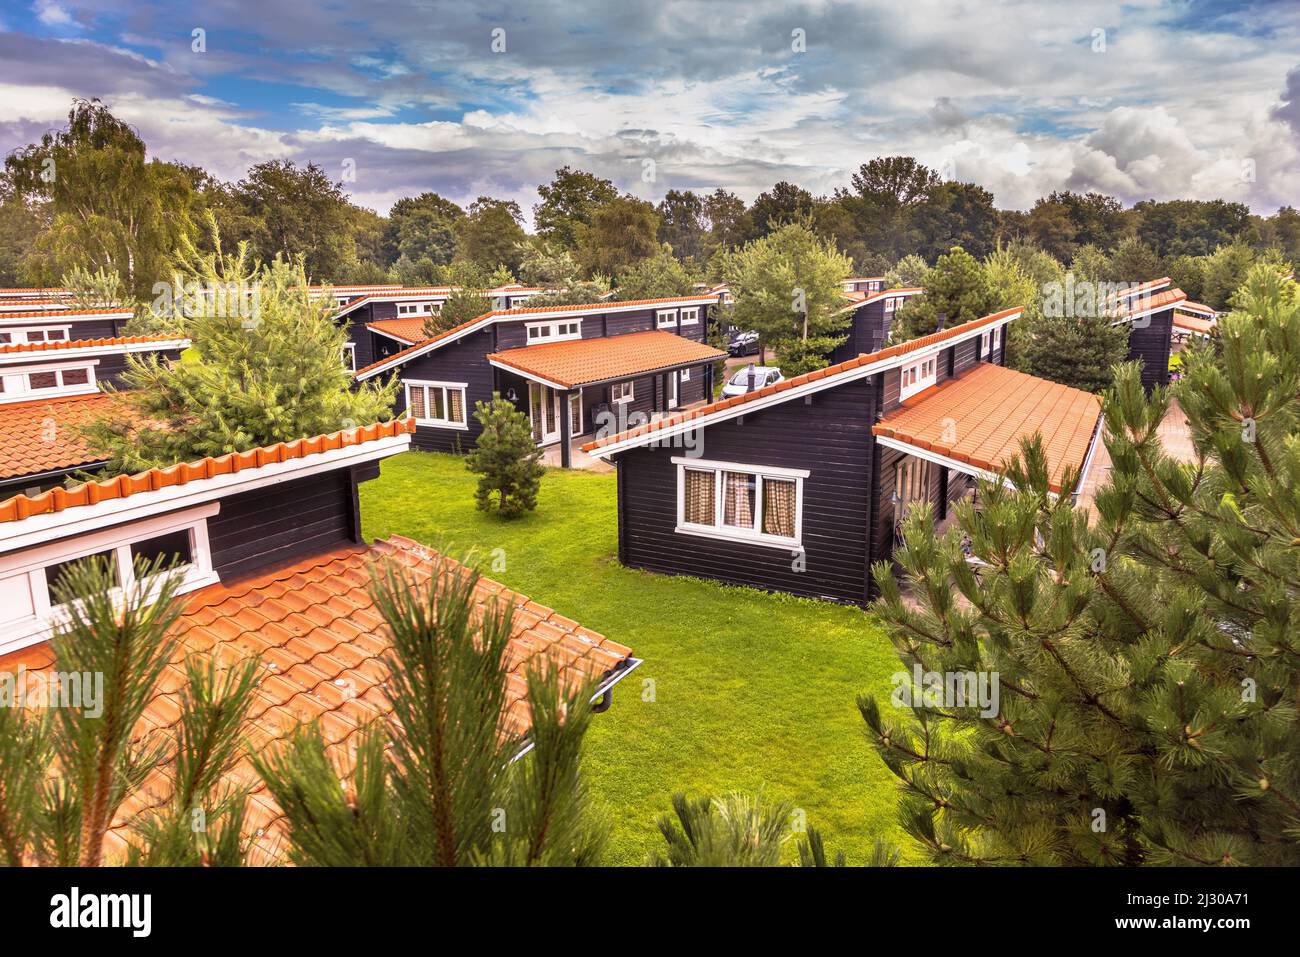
578, 362
974, 423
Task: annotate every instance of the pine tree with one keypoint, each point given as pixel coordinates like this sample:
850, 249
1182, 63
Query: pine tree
99, 289
506, 458
65, 773
740, 831
265, 366
443, 784
1148, 665
957, 288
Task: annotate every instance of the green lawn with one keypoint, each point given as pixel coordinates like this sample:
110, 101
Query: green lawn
751, 692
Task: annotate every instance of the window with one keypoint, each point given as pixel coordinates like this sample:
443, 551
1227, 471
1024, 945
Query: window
690, 316
34, 583
984, 344
889, 304
440, 404
621, 391
665, 317
686, 375
740, 502
41, 334
917, 376
554, 331
350, 356
20, 384
75, 377
413, 308
42, 380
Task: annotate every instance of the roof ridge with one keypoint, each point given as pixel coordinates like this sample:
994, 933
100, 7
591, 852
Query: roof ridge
15, 347
123, 486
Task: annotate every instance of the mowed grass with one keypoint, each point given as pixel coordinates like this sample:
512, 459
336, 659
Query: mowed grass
740, 690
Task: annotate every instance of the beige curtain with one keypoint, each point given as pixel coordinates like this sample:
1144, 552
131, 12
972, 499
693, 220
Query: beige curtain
457, 398
778, 507
738, 499
699, 508
417, 402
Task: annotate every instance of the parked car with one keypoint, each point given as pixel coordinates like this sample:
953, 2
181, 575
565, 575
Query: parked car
749, 379
743, 344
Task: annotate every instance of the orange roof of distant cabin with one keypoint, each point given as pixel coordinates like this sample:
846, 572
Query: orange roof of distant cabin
88, 344
407, 330
322, 645
45, 314
122, 486
980, 416
583, 361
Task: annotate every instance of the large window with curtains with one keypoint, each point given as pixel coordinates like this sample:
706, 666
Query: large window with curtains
440, 404
748, 503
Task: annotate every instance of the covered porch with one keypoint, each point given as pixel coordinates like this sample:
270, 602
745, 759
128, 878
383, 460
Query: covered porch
573, 390
935, 445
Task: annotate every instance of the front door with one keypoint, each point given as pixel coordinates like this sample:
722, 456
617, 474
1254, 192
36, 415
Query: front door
911, 488
672, 389
544, 411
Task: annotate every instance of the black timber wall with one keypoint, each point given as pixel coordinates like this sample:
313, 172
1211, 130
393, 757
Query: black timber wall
1151, 344
831, 437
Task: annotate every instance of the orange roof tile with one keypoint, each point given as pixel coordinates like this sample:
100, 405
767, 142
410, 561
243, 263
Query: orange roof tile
902, 349
1141, 288
322, 644
980, 417
583, 361
1197, 324
40, 435
407, 330
45, 314
1198, 307
86, 344
122, 486
1157, 301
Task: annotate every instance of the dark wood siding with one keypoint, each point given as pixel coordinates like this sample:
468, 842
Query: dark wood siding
1151, 344
460, 361
831, 437
281, 522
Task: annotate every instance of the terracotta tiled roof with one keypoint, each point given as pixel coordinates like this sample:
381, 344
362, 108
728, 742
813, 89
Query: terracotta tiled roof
322, 645
123, 341
407, 330
40, 435
38, 290
902, 349
1198, 307
1161, 300
980, 417
1141, 288
37, 305
122, 486
582, 361
44, 314
518, 311
1197, 324
862, 298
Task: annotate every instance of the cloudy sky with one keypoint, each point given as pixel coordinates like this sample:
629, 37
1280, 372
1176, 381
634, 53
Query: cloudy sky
1141, 99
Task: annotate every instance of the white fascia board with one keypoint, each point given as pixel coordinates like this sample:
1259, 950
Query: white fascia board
558, 386
80, 519
28, 356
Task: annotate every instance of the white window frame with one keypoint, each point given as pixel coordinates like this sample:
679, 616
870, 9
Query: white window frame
665, 318
20, 335
926, 368
685, 375
16, 382
350, 356
623, 391
727, 532
891, 303
537, 332
689, 316
986, 344
407, 309
463, 387
32, 563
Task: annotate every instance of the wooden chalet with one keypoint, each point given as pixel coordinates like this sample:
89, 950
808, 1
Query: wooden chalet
268, 548
801, 486
872, 318
1148, 309
569, 368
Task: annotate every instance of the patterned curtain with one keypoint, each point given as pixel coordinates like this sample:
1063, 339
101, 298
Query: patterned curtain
778, 508
417, 402
699, 498
457, 398
437, 406
738, 499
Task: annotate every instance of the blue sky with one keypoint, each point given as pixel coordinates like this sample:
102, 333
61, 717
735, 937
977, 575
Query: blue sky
1141, 99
